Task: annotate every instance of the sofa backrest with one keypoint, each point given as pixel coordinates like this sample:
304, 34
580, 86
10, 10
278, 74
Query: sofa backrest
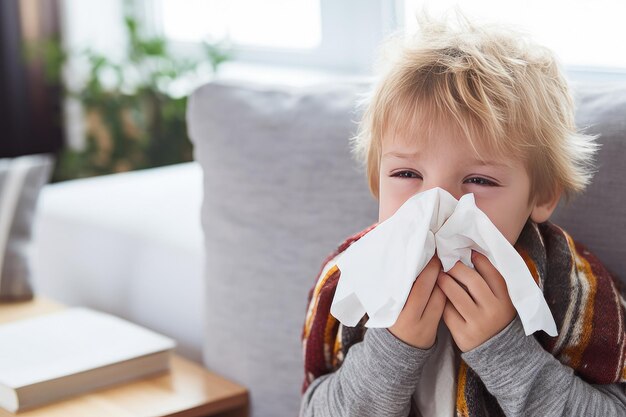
597, 218
281, 191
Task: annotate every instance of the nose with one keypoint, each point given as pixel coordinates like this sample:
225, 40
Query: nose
448, 185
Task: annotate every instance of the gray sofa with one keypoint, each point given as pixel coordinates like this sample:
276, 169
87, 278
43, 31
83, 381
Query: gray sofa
281, 191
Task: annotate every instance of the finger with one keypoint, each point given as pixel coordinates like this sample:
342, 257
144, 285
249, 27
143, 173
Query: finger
476, 285
423, 287
452, 318
491, 275
457, 296
435, 306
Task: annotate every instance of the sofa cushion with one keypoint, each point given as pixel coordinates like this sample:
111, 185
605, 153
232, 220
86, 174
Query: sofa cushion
281, 191
128, 244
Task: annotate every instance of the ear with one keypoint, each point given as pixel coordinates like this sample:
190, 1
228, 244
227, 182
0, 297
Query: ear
542, 209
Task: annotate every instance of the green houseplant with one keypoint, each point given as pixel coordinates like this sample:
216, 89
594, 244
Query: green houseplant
133, 119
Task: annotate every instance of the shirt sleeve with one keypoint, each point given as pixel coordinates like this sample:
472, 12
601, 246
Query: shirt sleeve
528, 381
377, 378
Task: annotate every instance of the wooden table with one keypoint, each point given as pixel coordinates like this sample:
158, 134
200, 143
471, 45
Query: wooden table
188, 390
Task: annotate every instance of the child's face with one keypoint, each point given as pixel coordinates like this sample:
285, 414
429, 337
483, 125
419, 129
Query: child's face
501, 192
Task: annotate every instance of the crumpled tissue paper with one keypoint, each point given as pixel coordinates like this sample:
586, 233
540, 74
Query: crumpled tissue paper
378, 270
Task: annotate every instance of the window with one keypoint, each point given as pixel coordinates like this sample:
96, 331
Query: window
335, 35
290, 24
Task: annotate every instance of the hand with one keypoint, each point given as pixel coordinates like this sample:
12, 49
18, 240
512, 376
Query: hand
418, 321
479, 312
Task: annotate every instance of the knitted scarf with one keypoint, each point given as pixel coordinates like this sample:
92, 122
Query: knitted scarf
586, 300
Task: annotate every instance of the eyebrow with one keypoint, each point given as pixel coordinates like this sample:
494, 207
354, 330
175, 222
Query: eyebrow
474, 162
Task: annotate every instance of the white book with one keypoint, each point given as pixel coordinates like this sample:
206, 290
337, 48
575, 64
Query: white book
73, 351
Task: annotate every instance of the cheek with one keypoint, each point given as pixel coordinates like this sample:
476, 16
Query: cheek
503, 225
508, 218
387, 206
390, 199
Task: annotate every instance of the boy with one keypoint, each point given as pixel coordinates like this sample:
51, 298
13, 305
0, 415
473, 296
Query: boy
479, 111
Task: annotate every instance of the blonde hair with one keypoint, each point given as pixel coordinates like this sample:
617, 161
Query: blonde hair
501, 90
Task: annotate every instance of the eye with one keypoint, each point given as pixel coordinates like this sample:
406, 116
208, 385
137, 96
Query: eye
406, 174
473, 180
482, 181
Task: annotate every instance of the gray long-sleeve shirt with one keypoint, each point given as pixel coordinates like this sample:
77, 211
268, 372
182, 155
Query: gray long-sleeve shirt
380, 374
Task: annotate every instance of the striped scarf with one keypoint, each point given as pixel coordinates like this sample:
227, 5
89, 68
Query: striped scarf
586, 300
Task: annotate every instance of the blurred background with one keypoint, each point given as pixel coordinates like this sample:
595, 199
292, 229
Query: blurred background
103, 83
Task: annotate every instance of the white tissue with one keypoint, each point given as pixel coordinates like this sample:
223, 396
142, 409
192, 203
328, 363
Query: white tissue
378, 270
